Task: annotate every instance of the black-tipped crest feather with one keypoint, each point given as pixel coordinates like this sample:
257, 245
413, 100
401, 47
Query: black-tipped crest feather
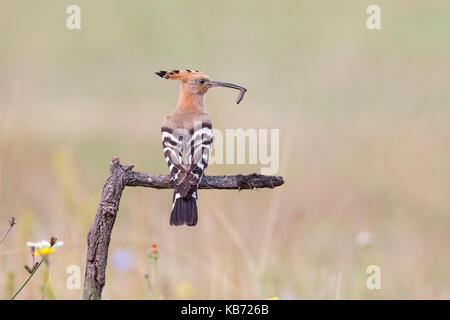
161, 73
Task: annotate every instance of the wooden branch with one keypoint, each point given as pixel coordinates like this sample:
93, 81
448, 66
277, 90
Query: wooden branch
122, 175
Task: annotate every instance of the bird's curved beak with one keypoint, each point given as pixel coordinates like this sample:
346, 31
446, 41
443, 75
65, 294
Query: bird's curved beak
230, 85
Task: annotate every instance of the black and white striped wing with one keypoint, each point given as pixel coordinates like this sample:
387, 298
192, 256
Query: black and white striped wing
187, 156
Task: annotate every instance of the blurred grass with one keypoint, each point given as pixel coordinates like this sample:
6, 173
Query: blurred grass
364, 127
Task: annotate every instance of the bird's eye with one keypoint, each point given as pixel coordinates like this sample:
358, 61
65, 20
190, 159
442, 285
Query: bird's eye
201, 81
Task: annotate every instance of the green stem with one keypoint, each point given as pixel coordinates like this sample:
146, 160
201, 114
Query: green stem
46, 277
51, 287
154, 274
152, 277
29, 278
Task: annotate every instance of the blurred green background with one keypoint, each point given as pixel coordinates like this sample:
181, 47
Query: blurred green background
364, 125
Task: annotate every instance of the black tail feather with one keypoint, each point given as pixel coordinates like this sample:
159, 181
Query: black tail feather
184, 212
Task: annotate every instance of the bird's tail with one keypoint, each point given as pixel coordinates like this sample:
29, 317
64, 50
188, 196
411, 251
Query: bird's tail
184, 211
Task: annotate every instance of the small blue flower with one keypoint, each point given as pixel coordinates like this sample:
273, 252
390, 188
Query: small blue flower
123, 260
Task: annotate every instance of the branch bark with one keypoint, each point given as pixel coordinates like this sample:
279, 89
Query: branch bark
121, 176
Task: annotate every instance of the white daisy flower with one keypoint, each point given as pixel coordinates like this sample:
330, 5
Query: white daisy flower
44, 247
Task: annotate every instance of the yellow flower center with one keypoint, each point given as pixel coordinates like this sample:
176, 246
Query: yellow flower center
44, 251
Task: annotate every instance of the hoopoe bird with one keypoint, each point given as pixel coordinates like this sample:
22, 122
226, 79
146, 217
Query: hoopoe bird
187, 138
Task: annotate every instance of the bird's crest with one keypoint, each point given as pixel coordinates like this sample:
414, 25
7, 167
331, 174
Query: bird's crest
178, 74
195, 84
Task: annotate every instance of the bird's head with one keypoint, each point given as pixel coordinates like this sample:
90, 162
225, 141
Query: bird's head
198, 83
